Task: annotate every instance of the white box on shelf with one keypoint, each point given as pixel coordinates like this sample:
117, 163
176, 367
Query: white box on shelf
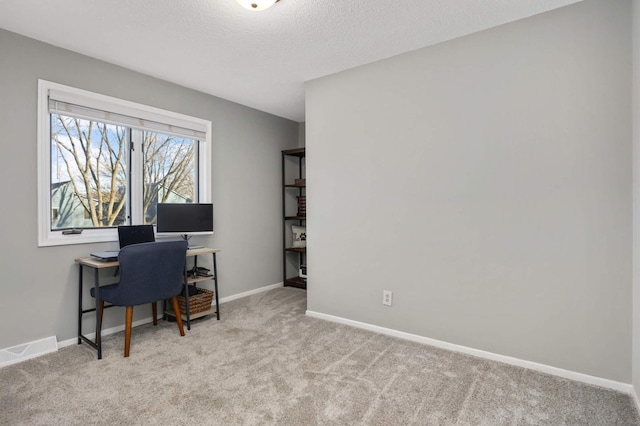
302, 272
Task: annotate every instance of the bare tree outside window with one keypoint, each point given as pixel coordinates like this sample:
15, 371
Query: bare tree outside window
169, 172
89, 172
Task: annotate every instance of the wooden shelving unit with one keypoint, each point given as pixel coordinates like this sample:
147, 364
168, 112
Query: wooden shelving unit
291, 188
296, 249
295, 282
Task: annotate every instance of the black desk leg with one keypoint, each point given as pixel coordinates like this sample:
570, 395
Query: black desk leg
80, 303
215, 285
96, 284
187, 310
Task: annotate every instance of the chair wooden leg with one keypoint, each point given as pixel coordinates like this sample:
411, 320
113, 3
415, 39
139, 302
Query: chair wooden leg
100, 312
127, 330
176, 309
154, 308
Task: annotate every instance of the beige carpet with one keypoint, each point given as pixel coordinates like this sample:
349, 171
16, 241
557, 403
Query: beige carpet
266, 363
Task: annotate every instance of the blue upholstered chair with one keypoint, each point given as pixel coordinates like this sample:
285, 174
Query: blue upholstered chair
149, 272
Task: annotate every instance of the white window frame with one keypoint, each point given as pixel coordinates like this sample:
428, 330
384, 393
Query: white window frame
47, 237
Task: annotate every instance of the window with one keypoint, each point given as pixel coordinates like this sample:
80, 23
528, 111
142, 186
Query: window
105, 162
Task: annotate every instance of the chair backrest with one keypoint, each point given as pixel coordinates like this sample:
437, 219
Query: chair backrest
135, 234
150, 272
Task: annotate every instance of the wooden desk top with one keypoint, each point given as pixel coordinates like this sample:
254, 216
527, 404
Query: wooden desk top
94, 262
202, 250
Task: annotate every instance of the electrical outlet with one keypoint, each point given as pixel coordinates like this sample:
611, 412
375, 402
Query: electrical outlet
387, 297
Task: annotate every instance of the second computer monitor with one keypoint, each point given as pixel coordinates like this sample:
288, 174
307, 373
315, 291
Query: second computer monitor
135, 234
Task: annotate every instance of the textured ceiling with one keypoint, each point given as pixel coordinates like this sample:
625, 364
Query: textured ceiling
259, 59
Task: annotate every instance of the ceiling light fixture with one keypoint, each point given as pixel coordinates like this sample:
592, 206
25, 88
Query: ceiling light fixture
257, 4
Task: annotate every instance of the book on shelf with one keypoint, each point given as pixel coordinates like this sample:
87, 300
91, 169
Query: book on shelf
302, 205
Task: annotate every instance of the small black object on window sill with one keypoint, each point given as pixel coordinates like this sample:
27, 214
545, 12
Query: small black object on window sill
73, 231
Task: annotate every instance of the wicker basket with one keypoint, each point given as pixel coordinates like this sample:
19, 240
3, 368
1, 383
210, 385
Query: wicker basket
201, 301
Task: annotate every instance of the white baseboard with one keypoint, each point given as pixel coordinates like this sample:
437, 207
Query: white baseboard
148, 320
634, 395
250, 292
27, 351
567, 374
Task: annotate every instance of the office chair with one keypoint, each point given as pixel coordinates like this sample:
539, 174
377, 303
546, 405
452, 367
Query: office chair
149, 272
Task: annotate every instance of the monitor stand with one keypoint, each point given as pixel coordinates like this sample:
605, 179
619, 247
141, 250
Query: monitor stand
190, 247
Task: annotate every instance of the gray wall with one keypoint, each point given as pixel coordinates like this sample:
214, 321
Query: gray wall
39, 285
301, 133
636, 197
486, 181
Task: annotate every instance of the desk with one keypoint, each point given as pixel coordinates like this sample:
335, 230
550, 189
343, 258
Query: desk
191, 280
97, 265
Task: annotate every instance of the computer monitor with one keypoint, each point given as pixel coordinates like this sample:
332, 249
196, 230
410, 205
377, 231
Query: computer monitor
184, 219
135, 234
